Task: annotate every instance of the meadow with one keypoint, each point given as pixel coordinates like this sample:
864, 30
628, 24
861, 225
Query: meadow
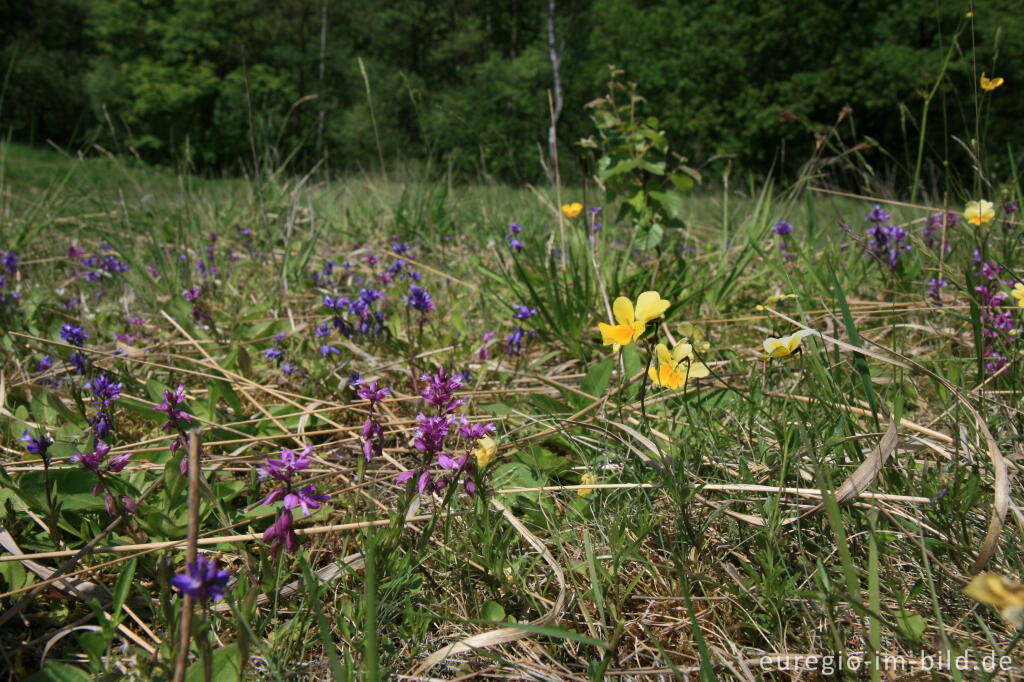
297, 427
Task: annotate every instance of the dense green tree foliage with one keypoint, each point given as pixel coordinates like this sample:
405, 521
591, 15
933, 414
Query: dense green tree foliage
464, 83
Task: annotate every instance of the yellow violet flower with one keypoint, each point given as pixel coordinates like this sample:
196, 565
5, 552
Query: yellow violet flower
572, 210
1001, 593
1018, 293
979, 212
775, 300
631, 322
990, 83
587, 478
485, 449
676, 368
785, 345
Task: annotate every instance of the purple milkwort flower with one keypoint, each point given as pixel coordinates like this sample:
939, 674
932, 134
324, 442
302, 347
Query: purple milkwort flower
475, 431
283, 468
78, 361
440, 391
113, 264
597, 227
782, 227
170, 406
45, 363
935, 290
522, 312
281, 532
513, 228
191, 294
371, 260
104, 390
274, 353
153, 272
37, 445
484, 353
594, 210
306, 498
418, 298
877, 215
398, 247
1010, 207
933, 228
515, 245
886, 240
10, 262
997, 324
202, 581
514, 341
92, 460
75, 253
72, 335
373, 393
431, 432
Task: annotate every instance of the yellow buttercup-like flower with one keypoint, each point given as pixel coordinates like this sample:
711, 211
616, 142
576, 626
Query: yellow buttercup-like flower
587, 479
1003, 594
990, 83
676, 368
1018, 293
572, 210
979, 212
485, 449
632, 322
785, 345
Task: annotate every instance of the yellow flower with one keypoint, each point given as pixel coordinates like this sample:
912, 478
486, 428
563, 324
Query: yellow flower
1018, 293
676, 368
1001, 593
572, 210
774, 300
631, 323
786, 345
990, 83
979, 212
485, 449
587, 479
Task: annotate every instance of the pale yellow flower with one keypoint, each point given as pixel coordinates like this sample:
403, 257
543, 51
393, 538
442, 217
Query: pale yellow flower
572, 210
785, 345
1018, 293
990, 83
588, 479
676, 368
485, 449
631, 322
979, 212
1001, 593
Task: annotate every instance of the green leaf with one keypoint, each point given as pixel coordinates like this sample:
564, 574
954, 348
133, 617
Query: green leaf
493, 612
227, 666
652, 238
598, 377
60, 672
684, 183
121, 589
911, 625
670, 202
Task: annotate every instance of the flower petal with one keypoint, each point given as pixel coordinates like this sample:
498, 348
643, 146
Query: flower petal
650, 305
622, 309
619, 334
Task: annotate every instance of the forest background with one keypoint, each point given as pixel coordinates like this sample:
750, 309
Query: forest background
466, 86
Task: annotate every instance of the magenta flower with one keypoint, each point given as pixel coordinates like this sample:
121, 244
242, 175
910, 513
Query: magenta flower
281, 532
306, 499
202, 581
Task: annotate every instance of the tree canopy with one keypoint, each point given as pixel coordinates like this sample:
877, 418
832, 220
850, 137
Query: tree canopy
466, 82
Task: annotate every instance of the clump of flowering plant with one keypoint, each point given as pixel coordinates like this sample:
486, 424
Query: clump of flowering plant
433, 430
291, 496
514, 342
887, 242
632, 322
93, 461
